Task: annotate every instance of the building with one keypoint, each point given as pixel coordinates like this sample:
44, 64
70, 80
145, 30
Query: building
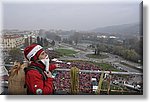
10, 41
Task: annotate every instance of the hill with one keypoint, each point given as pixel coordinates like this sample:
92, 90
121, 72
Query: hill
124, 29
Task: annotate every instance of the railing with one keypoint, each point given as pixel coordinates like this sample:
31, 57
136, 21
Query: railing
106, 72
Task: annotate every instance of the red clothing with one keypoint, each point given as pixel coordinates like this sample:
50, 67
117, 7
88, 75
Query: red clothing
36, 84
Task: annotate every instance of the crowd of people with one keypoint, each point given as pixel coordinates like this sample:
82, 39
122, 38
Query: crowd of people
62, 79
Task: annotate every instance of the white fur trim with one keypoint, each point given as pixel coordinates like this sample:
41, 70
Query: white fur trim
34, 51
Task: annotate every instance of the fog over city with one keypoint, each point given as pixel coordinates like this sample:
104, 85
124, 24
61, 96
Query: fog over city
68, 16
95, 47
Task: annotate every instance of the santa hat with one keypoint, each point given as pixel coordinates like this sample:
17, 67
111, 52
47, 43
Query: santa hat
32, 52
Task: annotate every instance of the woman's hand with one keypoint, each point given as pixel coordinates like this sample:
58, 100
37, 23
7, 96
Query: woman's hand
48, 74
57, 65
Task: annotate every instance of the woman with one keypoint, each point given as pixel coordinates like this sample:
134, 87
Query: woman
38, 75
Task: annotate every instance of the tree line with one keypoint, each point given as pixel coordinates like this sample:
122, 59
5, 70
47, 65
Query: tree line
129, 54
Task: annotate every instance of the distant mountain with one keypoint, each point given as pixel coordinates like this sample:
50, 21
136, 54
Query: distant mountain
120, 29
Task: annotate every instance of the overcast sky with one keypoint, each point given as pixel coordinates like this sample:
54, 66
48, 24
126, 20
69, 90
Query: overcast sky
68, 16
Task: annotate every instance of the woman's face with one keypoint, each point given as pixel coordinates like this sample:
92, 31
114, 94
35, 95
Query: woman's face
42, 55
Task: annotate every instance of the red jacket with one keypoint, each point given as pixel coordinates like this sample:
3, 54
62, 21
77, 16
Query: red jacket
36, 84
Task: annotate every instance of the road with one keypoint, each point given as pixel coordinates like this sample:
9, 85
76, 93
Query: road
113, 59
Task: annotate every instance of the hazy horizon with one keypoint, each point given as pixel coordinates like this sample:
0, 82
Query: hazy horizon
65, 16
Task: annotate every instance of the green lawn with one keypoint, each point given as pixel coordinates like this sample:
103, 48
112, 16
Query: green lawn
106, 66
65, 52
97, 56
